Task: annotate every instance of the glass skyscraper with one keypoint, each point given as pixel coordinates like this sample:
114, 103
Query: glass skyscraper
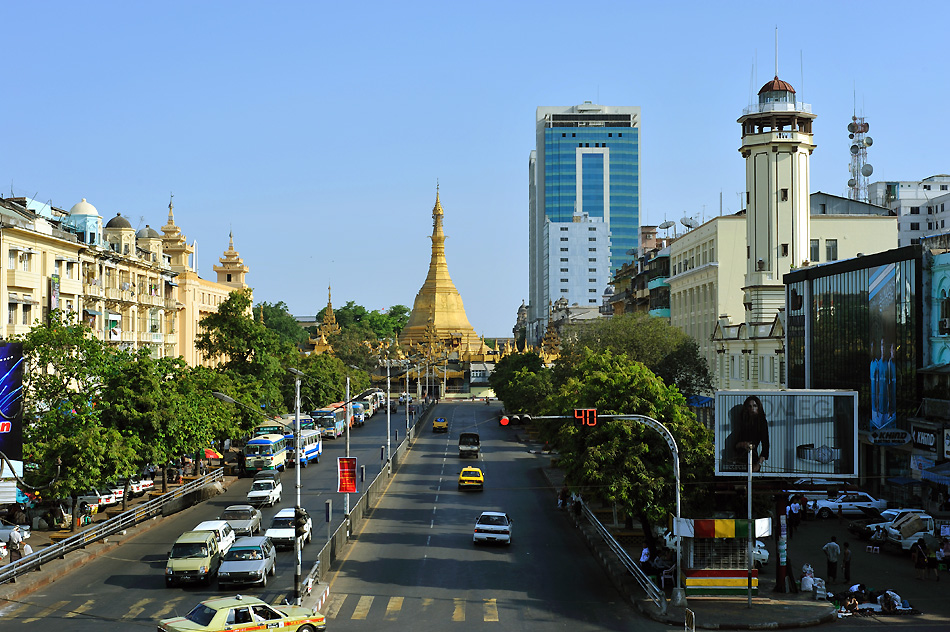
584, 205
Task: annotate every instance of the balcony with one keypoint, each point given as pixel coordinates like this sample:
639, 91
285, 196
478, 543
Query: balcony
658, 282
760, 108
93, 290
23, 279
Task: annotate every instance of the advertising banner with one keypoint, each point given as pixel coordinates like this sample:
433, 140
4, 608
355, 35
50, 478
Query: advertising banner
882, 313
346, 475
790, 433
11, 402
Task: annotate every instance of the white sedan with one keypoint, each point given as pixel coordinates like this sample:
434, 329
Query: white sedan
492, 526
848, 504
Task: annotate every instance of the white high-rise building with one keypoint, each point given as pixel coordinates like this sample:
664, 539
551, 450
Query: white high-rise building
922, 206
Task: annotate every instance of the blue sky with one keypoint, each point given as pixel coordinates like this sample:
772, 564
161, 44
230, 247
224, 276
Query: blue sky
317, 131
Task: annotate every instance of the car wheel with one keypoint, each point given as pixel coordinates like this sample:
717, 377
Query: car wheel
273, 570
169, 583
306, 628
263, 580
824, 513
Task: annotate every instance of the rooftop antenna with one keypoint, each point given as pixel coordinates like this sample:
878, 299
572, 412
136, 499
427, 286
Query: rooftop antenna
776, 50
801, 67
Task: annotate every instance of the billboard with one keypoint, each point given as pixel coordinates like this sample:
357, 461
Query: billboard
882, 313
11, 400
346, 475
791, 433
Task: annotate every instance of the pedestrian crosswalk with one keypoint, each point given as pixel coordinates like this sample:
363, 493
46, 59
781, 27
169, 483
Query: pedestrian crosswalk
339, 606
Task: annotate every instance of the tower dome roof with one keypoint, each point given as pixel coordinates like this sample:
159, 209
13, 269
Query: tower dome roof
83, 208
147, 233
777, 85
118, 222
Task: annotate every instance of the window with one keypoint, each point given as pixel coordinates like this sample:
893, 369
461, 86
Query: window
943, 187
814, 250
592, 260
593, 290
926, 187
564, 229
784, 250
592, 300
831, 249
11, 265
25, 257
592, 280
26, 314
785, 195
591, 250
564, 238
915, 225
564, 259
822, 208
591, 239
563, 269
11, 313
563, 280
592, 229
915, 210
592, 269
563, 290
563, 249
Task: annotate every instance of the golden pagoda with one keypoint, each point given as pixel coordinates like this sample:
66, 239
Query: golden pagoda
327, 328
438, 315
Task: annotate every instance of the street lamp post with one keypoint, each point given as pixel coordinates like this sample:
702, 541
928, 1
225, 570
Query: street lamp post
348, 409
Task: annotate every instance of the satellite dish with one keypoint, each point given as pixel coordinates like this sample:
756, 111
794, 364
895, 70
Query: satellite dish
667, 224
867, 170
852, 127
689, 222
850, 135
854, 149
865, 127
851, 182
868, 141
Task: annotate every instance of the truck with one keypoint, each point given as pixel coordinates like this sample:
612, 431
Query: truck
469, 443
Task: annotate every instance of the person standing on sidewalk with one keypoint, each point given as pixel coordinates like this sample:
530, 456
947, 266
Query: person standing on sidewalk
832, 551
918, 553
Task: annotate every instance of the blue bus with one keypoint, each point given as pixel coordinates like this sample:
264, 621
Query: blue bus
266, 452
311, 447
359, 414
306, 421
331, 421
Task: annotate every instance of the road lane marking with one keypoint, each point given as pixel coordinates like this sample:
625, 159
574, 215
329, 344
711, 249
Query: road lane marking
162, 612
458, 612
13, 614
491, 610
137, 608
426, 602
393, 608
362, 607
81, 609
336, 602
42, 614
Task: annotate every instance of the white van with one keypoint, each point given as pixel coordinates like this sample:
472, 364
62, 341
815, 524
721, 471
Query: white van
223, 533
905, 531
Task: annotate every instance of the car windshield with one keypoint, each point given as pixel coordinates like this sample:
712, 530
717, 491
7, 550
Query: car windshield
282, 523
242, 555
493, 520
185, 550
201, 614
262, 486
236, 514
471, 474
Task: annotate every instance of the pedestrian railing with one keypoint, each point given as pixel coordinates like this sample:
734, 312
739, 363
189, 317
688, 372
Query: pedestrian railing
101, 530
652, 591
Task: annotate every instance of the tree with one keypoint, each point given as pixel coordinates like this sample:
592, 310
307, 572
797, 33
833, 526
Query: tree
667, 351
279, 320
256, 356
514, 392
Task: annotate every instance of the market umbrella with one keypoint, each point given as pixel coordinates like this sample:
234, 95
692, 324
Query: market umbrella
211, 453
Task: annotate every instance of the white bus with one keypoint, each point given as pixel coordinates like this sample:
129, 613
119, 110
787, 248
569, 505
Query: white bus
266, 452
311, 447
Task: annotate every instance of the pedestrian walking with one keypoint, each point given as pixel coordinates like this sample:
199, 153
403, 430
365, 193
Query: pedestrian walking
846, 562
933, 563
832, 552
15, 543
794, 514
562, 497
918, 553
645, 565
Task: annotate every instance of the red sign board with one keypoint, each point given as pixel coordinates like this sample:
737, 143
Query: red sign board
346, 474
588, 416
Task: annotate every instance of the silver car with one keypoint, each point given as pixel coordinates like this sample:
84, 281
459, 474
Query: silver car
244, 519
249, 561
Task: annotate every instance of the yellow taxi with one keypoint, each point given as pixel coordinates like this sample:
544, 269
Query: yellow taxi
471, 478
441, 424
244, 613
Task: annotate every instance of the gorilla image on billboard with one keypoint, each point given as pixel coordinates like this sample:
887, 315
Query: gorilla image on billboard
788, 433
11, 400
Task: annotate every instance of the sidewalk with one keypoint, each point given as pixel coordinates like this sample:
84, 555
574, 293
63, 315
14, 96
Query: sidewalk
769, 610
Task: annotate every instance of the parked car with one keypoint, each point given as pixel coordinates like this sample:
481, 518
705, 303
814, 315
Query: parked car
239, 613
848, 504
282, 532
492, 526
244, 519
136, 488
94, 500
249, 561
265, 492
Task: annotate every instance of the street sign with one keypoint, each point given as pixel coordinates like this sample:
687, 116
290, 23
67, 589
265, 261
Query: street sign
346, 475
588, 416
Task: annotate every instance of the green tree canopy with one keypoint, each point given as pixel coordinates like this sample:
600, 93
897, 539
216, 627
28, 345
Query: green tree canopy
671, 354
279, 320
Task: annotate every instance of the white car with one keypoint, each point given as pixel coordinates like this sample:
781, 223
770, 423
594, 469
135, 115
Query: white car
282, 532
492, 526
906, 530
848, 504
265, 492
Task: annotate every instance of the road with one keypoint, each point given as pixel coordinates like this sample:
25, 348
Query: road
125, 590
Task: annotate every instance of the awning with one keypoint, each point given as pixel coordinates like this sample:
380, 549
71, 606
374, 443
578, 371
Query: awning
171, 283
699, 401
939, 474
903, 480
93, 312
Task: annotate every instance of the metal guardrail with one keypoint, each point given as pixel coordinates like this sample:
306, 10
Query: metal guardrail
97, 532
652, 590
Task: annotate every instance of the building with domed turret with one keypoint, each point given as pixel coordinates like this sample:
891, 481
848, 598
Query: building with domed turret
134, 289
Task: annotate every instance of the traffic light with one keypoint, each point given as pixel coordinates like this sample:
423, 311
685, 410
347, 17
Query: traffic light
503, 420
300, 522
